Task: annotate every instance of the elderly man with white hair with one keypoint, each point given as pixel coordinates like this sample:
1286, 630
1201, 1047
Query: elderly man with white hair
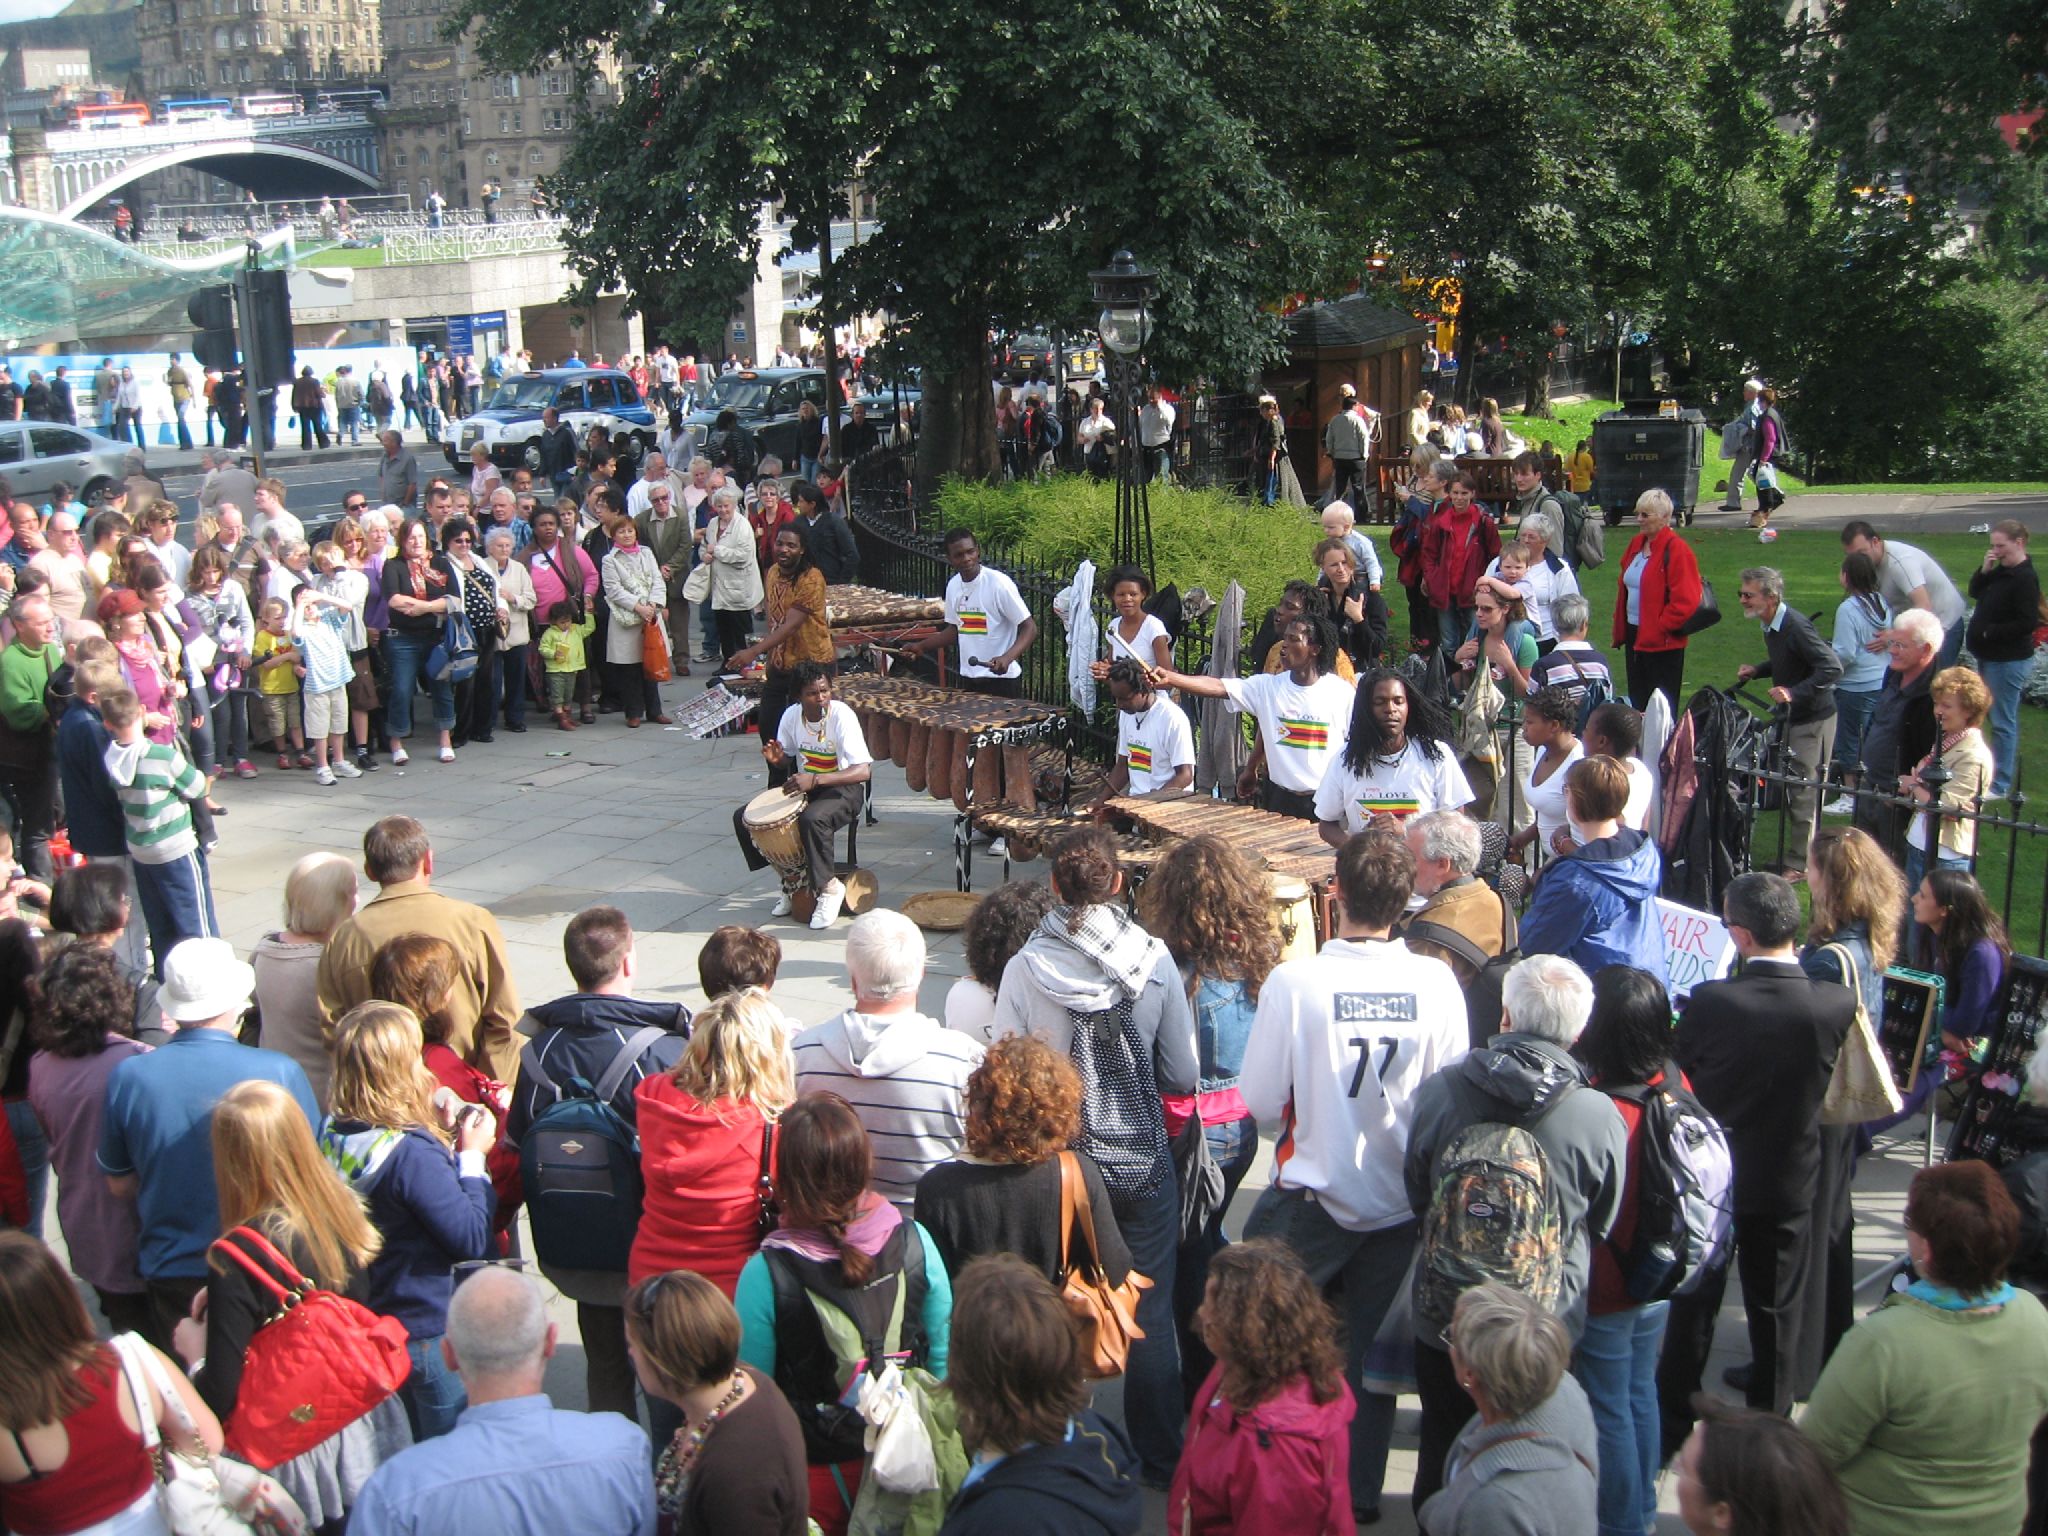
904, 1073
514, 1463
1462, 920
1524, 1084
1901, 730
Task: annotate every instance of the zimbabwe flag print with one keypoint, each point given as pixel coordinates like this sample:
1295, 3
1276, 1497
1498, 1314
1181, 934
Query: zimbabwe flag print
821, 760
1304, 735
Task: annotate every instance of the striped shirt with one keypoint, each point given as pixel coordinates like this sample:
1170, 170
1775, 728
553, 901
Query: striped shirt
906, 1077
156, 820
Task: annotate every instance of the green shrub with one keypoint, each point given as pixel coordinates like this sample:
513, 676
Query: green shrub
1204, 538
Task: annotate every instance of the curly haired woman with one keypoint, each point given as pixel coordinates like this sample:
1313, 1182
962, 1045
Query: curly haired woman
1268, 1449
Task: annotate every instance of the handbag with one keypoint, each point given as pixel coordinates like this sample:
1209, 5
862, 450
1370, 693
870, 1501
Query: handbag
697, 585
1108, 1314
768, 1216
654, 661
1861, 1087
1200, 1177
453, 658
316, 1367
1708, 613
201, 1495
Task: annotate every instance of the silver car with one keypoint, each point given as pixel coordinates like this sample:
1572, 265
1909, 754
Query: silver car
35, 455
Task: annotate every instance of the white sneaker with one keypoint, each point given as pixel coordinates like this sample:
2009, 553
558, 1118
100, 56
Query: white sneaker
999, 849
447, 754
400, 757
781, 907
1841, 805
344, 769
324, 776
830, 900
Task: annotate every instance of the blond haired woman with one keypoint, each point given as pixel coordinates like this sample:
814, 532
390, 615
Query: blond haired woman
319, 894
1943, 837
72, 1462
272, 1180
707, 1140
432, 1204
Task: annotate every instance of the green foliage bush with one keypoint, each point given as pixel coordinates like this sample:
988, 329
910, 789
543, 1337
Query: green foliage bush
1201, 538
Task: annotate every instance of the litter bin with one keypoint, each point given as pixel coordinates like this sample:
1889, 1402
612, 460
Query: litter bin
1644, 444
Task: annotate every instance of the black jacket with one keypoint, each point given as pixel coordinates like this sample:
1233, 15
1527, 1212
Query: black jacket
1759, 1049
1901, 732
1080, 1487
1798, 660
557, 452
579, 1035
831, 546
2008, 599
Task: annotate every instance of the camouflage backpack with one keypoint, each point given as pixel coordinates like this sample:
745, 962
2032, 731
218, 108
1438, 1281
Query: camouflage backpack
1494, 1215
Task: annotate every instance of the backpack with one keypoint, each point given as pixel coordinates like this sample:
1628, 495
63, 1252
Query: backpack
1584, 538
827, 1331
1494, 1214
1122, 1125
1489, 972
1685, 1213
580, 1165
1592, 694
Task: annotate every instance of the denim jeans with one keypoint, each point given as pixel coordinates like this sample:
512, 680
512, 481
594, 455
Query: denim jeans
231, 727
1852, 718
1454, 627
405, 656
1616, 1362
2005, 679
434, 1395
34, 1147
1234, 1145
1152, 1403
1363, 1272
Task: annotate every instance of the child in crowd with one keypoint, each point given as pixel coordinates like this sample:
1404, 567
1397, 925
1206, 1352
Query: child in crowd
1341, 522
157, 789
279, 669
561, 657
323, 643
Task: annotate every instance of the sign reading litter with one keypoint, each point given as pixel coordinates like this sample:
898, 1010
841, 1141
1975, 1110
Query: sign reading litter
1696, 947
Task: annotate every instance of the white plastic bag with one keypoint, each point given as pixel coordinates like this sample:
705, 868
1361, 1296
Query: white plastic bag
899, 1446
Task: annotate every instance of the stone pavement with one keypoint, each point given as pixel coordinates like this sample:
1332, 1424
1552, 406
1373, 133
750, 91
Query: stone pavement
1890, 512
537, 827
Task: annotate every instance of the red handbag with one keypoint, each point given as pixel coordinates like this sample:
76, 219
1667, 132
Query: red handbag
319, 1365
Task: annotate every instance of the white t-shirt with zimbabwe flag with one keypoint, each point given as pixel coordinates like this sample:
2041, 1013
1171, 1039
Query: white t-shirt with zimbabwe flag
1403, 786
1155, 744
1304, 728
988, 611
827, 746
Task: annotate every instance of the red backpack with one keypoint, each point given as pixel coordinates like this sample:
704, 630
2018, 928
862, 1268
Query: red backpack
314, 1369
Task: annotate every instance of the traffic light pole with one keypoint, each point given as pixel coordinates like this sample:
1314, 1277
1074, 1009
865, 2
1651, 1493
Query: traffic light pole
257, 396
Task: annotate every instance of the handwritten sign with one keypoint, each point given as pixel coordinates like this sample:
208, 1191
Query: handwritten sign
1696, 947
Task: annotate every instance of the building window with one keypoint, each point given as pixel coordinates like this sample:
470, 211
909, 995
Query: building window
398, 159
536, 156
504, 122
246, 75
241, 37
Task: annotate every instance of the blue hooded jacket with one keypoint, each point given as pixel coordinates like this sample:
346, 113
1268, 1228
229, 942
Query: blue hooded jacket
1596, 906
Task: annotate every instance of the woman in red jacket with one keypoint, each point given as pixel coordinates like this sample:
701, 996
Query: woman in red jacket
1659, 590
1268, 1449
707, 1129
1458, 542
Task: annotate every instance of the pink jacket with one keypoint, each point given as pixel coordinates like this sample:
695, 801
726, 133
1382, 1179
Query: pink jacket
1282, 1469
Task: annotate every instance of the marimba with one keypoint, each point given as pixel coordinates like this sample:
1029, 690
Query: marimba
1292, 852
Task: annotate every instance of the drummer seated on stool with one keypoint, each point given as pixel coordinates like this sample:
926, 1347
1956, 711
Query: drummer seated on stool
821, 741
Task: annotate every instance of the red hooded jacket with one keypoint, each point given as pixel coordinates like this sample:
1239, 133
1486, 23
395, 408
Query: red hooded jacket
1280, 1469
1455, 550
1671, 592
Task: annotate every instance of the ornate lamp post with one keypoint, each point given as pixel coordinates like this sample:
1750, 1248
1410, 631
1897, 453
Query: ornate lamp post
1124, 290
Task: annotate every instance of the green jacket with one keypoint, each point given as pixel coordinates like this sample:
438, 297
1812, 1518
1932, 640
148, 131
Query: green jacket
24, 674
1926, 1415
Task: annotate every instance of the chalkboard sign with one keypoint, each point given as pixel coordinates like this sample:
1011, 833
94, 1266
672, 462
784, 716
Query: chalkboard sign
1912, 1012
1992, 1109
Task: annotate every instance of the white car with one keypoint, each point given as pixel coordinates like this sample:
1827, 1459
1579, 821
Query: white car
509, 423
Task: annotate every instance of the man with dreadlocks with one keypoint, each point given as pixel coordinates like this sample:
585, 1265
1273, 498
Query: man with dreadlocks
1304, 715
1398, 761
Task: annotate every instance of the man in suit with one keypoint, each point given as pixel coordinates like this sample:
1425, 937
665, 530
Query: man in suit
1759, 1050
1802, 669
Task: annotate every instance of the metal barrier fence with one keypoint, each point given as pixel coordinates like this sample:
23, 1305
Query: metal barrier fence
898, 554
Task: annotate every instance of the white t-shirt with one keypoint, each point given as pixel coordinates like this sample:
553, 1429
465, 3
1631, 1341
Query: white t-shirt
1304, 728
971, 1009
1094, 428
988, 612
833, 744
1546, 800
1409, 785
1341, 1044
1636, 813
1541, 587
1141, 647
1907, 567
1155, 744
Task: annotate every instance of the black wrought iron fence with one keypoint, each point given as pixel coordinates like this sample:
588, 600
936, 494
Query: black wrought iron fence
904, 553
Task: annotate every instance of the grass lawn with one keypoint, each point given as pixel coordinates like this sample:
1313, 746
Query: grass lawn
1810, 560
338, 256
1575, 420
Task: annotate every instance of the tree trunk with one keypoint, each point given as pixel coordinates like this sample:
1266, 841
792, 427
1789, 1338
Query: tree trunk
1536, 386
957, 434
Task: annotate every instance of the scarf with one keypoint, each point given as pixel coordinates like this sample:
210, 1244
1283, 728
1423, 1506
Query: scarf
868, 1232
1111, 938
1948, 1299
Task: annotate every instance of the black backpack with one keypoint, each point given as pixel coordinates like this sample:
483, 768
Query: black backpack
580, 1165
827, 1330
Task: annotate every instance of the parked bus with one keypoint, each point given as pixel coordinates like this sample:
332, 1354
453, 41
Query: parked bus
278, 105
197, 109
113, 114
352, 101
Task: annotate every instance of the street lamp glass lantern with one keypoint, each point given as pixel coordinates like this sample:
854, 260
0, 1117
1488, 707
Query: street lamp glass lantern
1123, 289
